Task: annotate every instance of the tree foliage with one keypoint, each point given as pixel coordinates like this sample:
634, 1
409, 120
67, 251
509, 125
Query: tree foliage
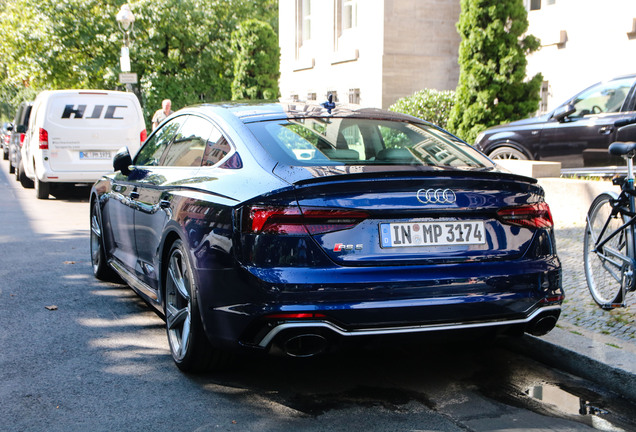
256, 69
492, 56
431, 105
180, 49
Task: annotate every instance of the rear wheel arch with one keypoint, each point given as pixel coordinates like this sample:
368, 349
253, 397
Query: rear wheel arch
189, 344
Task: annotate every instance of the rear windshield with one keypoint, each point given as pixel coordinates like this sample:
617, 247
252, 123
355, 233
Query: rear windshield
338, 141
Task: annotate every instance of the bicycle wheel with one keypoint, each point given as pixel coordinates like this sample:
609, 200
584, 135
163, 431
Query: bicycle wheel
606, 269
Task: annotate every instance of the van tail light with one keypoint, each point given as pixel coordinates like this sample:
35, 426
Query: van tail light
22, 136
293, 221
143, 135
44, 139
529, 216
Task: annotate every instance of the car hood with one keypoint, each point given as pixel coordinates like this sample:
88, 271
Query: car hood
529, 121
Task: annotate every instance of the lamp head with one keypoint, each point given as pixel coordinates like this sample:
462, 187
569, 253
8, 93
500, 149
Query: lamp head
125, 17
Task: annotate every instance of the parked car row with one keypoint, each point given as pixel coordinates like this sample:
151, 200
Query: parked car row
297, 228
577, 133
68, 137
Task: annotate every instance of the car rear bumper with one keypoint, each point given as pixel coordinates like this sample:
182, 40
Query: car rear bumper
260, 313
540, 321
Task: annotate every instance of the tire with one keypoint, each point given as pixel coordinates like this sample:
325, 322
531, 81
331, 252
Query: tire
11, 168
101, 269
507, 153
5, 154
189, 346
42, 189
26, 182
606, 276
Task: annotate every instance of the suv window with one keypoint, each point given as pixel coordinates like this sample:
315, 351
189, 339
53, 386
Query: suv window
605, 97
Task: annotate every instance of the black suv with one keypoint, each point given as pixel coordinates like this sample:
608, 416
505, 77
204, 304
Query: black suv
577, 133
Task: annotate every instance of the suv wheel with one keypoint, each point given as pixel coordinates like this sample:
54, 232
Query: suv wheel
508, 153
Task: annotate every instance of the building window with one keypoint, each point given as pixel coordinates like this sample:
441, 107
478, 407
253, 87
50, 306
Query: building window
303, 23
349, 14
535, 5
346, 19
545, 93
334, 93
354, 96
311, 96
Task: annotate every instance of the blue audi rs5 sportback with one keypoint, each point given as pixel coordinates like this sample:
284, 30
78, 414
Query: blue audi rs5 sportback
296, 228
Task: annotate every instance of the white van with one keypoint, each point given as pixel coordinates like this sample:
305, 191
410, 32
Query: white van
74, 134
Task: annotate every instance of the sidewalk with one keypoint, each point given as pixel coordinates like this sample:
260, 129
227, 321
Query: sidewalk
588, 341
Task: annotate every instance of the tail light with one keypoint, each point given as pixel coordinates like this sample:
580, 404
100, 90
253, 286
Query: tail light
529, 216
301, 315
293, 221
44, 139
22, 136
143, 135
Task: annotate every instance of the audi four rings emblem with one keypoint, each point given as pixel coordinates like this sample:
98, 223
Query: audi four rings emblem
436, 196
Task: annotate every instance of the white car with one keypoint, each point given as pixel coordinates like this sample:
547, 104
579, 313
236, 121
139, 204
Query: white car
74, 134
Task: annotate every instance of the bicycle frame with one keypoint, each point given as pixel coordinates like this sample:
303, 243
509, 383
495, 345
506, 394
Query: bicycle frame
625, 204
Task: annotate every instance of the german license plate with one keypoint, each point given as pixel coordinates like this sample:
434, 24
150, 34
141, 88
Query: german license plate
95, 155
442, 233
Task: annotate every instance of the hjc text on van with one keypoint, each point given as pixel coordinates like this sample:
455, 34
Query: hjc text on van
97, 112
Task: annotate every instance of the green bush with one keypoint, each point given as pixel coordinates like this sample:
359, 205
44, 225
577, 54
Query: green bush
493, 87
256, 63
428, 104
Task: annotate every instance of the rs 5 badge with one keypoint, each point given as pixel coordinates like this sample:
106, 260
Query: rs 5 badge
339, 247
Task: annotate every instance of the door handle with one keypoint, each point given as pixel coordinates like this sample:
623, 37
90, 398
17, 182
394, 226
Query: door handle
606, 130
134, 195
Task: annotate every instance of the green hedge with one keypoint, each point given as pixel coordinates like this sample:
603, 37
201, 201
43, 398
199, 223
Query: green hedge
428, 104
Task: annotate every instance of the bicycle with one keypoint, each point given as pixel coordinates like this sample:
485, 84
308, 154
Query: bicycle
609, 237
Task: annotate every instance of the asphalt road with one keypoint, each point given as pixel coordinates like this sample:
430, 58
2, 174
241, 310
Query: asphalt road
77, 354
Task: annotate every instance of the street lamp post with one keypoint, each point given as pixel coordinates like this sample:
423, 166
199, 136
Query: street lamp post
126, 21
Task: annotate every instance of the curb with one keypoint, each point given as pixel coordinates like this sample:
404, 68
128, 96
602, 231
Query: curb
605, 360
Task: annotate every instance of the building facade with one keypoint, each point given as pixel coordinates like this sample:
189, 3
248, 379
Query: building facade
373, 52
582, 42
370, 52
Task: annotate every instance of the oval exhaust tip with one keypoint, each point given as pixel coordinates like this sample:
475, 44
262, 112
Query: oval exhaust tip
542, 325
306, 345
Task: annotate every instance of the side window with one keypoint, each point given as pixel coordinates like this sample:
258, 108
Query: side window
189, 144
150, 153
216, 148
604, 98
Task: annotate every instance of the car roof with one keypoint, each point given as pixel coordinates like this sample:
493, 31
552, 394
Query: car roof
250, 112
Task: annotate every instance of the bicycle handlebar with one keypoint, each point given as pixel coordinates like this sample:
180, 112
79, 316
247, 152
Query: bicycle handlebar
625, 122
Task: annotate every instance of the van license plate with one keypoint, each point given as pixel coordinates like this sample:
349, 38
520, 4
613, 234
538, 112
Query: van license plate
444, 233
95, 155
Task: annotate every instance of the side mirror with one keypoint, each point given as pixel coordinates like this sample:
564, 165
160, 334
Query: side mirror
20, 129
10, 127
122, 161
562, 112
